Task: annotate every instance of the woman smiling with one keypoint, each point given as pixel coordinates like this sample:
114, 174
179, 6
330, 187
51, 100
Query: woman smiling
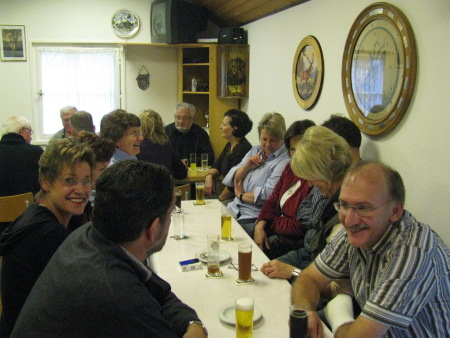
27, 244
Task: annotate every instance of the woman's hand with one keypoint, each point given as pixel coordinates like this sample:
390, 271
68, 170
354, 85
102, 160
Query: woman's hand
260, 236
255, 161
209, 185
238, 188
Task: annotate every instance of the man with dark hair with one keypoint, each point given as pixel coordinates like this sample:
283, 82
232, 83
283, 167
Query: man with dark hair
347, 129
398, 267
96, 283
81, 120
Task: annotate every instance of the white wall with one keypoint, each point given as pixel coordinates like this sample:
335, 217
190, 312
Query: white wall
85, 21
419, 147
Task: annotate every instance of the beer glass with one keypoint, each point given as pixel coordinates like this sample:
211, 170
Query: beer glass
213, 258
199, 193
298, 321
193, 160
244, 317
205, 162
178, 193
178, 226
226, 224
245, 261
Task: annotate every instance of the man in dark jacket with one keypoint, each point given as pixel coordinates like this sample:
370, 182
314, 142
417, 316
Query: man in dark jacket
96, 284
187, 137
19, 168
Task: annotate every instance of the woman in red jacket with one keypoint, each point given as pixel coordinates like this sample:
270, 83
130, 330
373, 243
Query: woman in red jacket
277, 230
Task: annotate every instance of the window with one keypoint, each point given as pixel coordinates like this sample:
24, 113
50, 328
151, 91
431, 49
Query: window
85, 77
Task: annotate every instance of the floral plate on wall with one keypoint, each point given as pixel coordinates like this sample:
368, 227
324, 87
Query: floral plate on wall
124, 23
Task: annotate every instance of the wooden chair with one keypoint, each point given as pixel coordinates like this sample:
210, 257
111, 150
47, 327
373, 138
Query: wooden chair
185, 191
12, 207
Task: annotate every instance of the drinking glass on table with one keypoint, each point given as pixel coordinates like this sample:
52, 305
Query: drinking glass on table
226, 224
193, 160
245, 261
244, 317
178, 226
178, 193
199, 193
298, 321
213, 252
205, 162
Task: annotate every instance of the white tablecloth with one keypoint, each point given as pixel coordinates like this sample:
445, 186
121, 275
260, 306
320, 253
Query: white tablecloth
208, 296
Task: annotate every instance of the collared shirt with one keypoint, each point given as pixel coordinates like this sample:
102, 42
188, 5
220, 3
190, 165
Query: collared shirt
261, 181
120, 155
145, 270
402, 281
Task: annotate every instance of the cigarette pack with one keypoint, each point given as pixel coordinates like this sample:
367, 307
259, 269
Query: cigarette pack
190, 265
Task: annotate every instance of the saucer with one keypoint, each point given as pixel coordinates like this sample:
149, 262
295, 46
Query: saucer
227, 314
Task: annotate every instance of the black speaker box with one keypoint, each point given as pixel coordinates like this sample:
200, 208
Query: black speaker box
232, 35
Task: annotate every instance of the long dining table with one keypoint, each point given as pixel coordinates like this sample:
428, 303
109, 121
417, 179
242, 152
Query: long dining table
210, 296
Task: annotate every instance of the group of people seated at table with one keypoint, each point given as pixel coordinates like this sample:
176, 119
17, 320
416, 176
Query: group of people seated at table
332, 224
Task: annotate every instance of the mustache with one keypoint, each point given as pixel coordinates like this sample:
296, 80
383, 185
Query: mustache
357, 227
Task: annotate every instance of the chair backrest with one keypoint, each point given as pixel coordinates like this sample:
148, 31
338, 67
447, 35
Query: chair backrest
12, 207
185, 191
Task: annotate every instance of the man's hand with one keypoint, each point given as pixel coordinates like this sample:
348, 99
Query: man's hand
277, 269
254, 161
315, 328
195, 331
260, 236
238, 188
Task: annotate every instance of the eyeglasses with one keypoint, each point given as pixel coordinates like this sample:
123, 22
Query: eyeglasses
71, 182
361, 210
135, 134
183, 118
31, 131
236, 267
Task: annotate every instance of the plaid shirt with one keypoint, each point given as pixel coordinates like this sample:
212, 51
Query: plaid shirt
402, 281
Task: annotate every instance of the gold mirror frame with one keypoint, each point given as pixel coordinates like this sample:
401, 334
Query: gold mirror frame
379, 68
307, 72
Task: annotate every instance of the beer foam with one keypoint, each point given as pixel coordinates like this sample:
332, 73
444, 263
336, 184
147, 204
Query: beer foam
244, 304
245, 249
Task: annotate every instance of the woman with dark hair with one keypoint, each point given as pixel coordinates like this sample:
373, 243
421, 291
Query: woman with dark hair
277, 229
156, 147
124, 130
235, 126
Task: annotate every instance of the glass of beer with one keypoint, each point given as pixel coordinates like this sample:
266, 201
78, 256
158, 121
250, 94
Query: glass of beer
193, 160
213, 258
244, 317
205, 162
226, 224
200, 193
245, 261
298, 321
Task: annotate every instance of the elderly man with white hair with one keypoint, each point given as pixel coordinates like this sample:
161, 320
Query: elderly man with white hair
65, 114
18, 158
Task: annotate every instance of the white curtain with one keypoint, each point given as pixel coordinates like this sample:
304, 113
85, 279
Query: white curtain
84, 77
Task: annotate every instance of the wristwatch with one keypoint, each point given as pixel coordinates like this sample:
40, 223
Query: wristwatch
295, 272
199, 323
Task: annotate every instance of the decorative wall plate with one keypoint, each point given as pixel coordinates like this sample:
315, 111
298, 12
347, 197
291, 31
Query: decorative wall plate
124, 23
379, 68
307, 72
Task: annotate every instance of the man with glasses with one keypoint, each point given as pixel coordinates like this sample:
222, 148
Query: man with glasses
398, 267
187, 137
19, 169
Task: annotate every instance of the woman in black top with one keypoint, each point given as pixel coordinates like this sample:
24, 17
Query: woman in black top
156, 147
235, 125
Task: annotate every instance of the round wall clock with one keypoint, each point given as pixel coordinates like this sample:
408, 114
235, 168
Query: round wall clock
125, 23
379, 68
307, 72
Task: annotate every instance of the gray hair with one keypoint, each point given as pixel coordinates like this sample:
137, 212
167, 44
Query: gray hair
184, 105
13, 124
67, 109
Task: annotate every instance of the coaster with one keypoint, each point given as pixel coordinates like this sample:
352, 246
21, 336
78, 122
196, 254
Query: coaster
198, 204
214, 277
224, 240
242, 282
179, 238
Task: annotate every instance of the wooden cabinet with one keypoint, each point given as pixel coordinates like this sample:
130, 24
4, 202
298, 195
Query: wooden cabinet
199, 62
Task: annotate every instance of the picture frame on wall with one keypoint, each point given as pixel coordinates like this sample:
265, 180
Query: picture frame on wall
12, 43
307, 72
379, 68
